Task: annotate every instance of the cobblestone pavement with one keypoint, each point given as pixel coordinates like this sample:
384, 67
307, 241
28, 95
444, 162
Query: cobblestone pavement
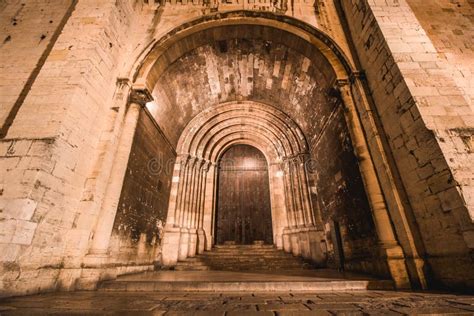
347, 303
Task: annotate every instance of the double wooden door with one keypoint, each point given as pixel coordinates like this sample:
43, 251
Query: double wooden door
243, 212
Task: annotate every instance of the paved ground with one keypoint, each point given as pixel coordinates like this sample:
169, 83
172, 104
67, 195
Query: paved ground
347, 303
317, 275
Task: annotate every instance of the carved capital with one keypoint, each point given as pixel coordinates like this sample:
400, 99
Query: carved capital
193, 161
183, 159
140, 96
206, 165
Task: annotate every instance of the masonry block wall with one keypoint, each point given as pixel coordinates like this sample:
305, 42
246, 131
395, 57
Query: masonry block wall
424, 114
50, 160
65, 78
143, 204
449, 26
29, 30
341, 198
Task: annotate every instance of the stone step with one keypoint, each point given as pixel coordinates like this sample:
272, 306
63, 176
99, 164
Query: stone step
243, 246
245, 253
251, 261
248, 286
243, 258
227, 258
192, 268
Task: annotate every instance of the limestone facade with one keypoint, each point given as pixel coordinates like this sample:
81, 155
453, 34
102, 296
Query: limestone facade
362, 107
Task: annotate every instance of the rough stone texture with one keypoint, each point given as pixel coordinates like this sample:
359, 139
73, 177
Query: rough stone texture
29, 27
421, 109
341, 197
237, 69
355, 303
52, 154
143, 204
449, 26
56, 158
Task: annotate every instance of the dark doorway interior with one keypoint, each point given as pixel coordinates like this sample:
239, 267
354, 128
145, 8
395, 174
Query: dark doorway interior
243, 198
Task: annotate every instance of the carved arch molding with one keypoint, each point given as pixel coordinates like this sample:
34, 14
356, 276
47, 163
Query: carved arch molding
189, 226
189, 222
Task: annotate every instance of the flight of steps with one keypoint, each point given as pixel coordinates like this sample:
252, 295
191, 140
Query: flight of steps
243, 258
235, 268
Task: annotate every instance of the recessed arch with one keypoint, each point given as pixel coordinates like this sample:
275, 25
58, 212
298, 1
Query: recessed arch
264, 120
163, 52
204, 141
170, 57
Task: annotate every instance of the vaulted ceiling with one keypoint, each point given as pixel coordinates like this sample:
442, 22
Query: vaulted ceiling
239, 63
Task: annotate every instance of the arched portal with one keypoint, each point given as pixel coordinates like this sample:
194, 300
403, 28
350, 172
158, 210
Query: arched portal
192, 208
243, 211
285, 88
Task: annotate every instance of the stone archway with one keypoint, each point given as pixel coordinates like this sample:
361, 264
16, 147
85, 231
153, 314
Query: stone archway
193, 194
334, 78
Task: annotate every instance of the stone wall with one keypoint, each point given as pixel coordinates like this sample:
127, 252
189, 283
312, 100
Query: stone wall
29, 31
52, 173
143, 204
341, 198
449, 26
424, 116
60, 62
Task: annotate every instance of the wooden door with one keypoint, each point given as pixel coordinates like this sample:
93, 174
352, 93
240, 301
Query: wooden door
243, 212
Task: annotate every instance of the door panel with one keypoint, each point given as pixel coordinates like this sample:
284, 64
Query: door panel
243, 197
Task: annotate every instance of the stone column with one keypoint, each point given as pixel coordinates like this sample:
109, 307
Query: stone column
173, 216
172, 233
388, 243
106, 217
287, 245
296, 191
194, 207
305, 195
209, 204
201, 234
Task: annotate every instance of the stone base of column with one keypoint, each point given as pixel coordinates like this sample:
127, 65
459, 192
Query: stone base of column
170, 246
192, 245
209, 242
318, 253
278, 241
304, 243
420, 267
295, 244
183, 244
286, 238
201, 241
397, 266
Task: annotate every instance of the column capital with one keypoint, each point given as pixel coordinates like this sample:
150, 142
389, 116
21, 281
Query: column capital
140, 96
183, 158
206, 166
